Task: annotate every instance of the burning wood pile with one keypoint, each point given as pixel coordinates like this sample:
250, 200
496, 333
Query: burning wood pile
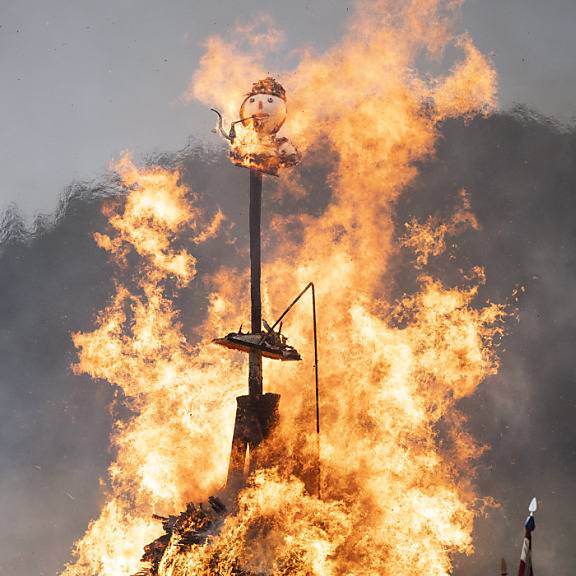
192, 527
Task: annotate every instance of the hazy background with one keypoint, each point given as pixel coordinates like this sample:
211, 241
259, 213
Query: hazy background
83, 81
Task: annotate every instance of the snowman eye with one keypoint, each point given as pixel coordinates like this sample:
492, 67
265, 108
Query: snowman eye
270, 99
252, 100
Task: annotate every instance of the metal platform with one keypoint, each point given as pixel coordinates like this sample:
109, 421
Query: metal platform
277, 349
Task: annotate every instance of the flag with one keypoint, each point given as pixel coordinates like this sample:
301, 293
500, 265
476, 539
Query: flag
525, 568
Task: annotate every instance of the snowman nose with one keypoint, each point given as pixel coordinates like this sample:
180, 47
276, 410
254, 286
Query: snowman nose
260, 105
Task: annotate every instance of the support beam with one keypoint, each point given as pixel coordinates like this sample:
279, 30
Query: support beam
256, 417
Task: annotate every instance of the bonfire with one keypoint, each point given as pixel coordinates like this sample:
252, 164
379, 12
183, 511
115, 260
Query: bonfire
209, 480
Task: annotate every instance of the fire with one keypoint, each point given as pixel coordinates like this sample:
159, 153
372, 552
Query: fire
395, 499
429, 239
311, 530
139, 346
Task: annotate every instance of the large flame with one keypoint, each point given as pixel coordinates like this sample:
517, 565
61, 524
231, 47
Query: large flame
397, 492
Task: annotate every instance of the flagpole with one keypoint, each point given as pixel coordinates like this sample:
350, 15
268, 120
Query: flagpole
525, 567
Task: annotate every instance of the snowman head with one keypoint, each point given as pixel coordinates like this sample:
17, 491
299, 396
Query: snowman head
264, 108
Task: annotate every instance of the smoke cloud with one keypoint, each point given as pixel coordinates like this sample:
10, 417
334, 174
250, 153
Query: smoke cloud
519, 170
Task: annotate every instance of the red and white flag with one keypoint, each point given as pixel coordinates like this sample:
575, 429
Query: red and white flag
525, 568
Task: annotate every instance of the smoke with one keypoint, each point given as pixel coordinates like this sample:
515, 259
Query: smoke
520, 172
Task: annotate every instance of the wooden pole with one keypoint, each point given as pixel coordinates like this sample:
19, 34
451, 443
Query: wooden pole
255, 387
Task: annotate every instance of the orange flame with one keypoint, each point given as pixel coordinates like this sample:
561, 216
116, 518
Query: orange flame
395, 500
139, 346
429, 239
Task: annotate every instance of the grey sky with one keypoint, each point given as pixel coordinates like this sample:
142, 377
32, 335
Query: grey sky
84, 80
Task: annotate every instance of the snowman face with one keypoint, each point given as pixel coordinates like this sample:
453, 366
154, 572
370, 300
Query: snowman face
264, 112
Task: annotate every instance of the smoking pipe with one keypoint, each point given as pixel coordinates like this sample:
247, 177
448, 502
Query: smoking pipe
231, 136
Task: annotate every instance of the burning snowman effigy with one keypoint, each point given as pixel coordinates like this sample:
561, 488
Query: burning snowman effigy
256, 144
